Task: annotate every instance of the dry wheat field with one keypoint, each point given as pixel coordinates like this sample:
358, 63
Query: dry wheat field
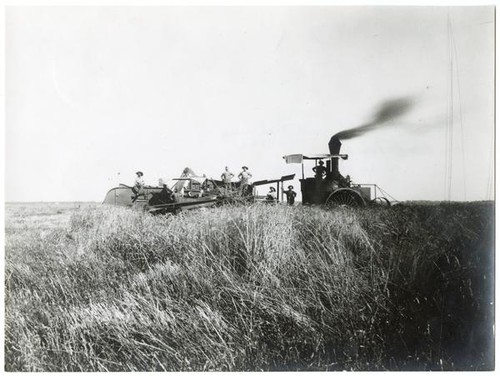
248, 288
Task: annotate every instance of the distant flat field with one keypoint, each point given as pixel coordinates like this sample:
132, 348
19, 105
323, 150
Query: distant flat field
41, 215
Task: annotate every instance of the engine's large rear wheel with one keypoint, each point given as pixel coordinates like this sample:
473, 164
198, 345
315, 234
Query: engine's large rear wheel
345, 197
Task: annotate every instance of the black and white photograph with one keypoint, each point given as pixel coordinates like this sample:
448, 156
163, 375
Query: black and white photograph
249, 187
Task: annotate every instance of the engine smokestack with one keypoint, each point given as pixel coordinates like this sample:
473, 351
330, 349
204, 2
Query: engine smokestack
334, 146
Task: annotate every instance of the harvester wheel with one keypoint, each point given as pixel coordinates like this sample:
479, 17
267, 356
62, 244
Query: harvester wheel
381, 201
345, 197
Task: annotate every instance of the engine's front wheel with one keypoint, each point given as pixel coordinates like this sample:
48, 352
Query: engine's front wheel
381, 201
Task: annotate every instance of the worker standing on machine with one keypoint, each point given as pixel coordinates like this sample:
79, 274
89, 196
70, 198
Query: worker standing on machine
244, 177
226, 178
320, 170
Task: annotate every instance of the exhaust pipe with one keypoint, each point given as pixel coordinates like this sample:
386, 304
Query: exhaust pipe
334, 146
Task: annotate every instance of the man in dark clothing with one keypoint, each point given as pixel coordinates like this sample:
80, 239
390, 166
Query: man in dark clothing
290, 195
165, 196
320, 170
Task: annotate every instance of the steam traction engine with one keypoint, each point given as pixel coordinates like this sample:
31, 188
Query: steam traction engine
329, 186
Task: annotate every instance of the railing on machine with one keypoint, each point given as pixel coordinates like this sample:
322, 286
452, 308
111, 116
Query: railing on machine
377, 190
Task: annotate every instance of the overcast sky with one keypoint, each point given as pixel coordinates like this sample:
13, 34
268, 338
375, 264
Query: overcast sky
94, 94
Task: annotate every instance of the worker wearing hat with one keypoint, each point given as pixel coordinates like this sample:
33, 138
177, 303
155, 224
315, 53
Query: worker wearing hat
138, 187
245, 177
290, 195
271, 195
320, 170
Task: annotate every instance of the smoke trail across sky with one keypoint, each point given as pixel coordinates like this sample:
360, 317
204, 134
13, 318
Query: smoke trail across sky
388, 110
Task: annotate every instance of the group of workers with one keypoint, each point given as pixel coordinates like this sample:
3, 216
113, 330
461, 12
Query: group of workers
290, 195
244, 178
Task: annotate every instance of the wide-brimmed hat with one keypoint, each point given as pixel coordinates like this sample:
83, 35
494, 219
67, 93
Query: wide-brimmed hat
290, 187
245, 167
272, 189
139, 173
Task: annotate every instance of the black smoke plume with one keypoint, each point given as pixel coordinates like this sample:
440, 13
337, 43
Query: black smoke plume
388, 111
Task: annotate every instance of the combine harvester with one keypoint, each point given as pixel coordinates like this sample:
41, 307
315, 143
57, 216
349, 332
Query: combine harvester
189, 192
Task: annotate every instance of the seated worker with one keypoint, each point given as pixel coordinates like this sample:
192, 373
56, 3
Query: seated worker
343, 182
138, 188
165, 196
347, 181
320, 170
271, 195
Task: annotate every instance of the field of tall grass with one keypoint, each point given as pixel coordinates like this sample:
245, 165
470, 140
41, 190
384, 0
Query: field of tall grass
249, 288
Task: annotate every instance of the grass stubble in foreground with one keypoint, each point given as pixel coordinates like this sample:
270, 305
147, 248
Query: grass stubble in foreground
250, 288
